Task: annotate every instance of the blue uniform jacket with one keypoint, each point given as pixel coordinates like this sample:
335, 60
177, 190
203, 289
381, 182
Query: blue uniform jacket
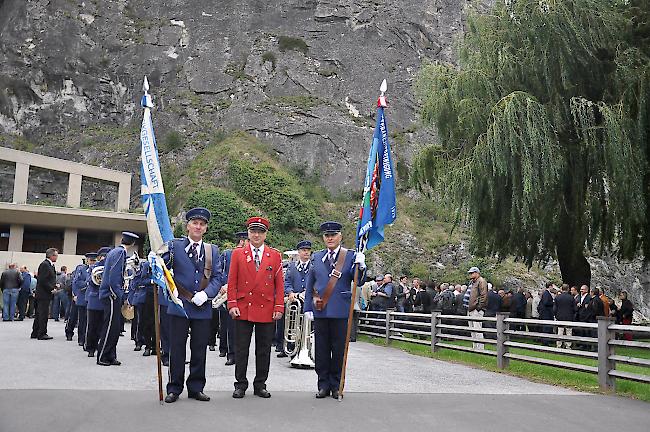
92, 290
113, 277
79, 280
189, 274
338, 305
225, 265
295, 281
140, 285
27, 282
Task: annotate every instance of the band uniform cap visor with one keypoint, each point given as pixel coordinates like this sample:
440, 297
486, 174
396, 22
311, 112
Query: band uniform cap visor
330, 227
198, 213
305, 244
241, 235
258, 222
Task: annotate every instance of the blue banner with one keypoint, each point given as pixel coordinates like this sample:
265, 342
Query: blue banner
379, 202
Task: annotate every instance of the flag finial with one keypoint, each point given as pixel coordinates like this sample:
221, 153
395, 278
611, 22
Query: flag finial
146, 101
382, 99
145, 85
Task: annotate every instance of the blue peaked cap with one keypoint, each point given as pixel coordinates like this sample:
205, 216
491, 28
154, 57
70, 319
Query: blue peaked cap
330, 227
198, 213
305, 244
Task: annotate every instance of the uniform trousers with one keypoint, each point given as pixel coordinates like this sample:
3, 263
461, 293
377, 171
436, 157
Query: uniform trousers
226, 333
164, 331
39, 328
179, 328
136, 326
110, 332
147, 322
279, 335
81, 327
214, 327
94, 322
23, 298
73, 317
263, 338
329, 344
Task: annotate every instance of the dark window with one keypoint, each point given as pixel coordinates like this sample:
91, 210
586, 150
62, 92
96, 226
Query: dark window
38, 240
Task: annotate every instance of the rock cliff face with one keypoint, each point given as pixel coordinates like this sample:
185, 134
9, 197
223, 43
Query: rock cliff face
301, 75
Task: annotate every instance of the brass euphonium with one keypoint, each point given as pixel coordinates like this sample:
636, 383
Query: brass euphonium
96, 275
298, 332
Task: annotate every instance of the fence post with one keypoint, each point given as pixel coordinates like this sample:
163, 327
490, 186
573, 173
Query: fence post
387, 326
434, 330
605, 381
502, 361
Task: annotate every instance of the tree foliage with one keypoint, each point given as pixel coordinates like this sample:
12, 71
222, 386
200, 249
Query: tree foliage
543, 128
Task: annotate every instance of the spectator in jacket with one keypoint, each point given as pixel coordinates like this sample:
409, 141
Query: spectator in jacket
401, 294
564, 310
10, 283
477, 303
382, 299
25, 292
423, 301
596, 307
624, 313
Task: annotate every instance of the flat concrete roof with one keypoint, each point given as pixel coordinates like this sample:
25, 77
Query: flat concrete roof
66, 217
64, 165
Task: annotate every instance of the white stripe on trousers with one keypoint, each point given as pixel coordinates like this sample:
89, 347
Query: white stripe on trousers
108, 330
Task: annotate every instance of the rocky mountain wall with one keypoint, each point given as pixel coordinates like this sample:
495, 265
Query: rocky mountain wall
301, 75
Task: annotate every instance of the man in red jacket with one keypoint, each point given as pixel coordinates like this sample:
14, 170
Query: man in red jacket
255, 301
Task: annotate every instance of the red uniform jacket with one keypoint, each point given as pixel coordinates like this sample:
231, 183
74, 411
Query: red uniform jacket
259, 293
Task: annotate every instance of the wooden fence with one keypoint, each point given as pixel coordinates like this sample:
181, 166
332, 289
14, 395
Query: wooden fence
595, 341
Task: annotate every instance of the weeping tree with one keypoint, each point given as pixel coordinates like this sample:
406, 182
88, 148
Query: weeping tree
543, 128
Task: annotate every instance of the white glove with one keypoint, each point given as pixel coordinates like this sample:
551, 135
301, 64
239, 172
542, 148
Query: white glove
200, 298
360, 259
309, 316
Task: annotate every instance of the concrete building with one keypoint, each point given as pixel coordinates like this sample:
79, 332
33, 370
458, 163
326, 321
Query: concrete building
28, 229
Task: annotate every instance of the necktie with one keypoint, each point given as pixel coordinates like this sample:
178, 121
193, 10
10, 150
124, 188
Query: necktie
195, 252
257, 258
331, 257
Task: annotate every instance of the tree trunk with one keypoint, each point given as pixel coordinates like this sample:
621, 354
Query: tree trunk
570, 255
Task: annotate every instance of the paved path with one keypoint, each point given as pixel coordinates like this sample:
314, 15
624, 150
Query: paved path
387, 388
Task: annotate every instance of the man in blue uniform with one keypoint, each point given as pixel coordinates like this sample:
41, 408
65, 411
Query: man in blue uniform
226, 323
78, 308
112, 295
136, 298
295, 281
327, 302
197, 275
94, 307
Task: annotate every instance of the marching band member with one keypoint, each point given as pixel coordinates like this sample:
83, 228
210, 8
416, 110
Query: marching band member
94, 307
294, 284
327, 302
111, 294
255, 301
226, 323
78, 313
198, 277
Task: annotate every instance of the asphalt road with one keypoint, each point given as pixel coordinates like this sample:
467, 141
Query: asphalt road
52, 386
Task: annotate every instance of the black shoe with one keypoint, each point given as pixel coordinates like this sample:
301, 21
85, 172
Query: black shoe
322, 393
103, 363
137, 348
230, 362
81, 344
91, 353
146, 353
238, 393
263, 393
282, 354
200, 396
222, 353
212, 348
68, 338
335, 394
171, 398
19, 319
115, 362
165, 362
56, 320
45, 337
33, 337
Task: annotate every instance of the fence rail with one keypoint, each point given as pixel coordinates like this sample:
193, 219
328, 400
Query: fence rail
596, 342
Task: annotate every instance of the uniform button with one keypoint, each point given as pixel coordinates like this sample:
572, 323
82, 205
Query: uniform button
262, 295
250, 293
196, 271
261, 305
249, 304
196, 282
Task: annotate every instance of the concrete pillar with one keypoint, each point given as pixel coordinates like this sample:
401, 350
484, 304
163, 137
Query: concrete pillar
123, 196
70, 241
74, 191
21, 180
16, 238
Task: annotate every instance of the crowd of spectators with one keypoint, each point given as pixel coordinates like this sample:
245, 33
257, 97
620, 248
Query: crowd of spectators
566, 303
18, 287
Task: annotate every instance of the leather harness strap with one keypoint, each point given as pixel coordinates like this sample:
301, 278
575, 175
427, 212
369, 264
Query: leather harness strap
320, 303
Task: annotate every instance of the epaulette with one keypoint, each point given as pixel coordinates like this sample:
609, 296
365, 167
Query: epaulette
274, 249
